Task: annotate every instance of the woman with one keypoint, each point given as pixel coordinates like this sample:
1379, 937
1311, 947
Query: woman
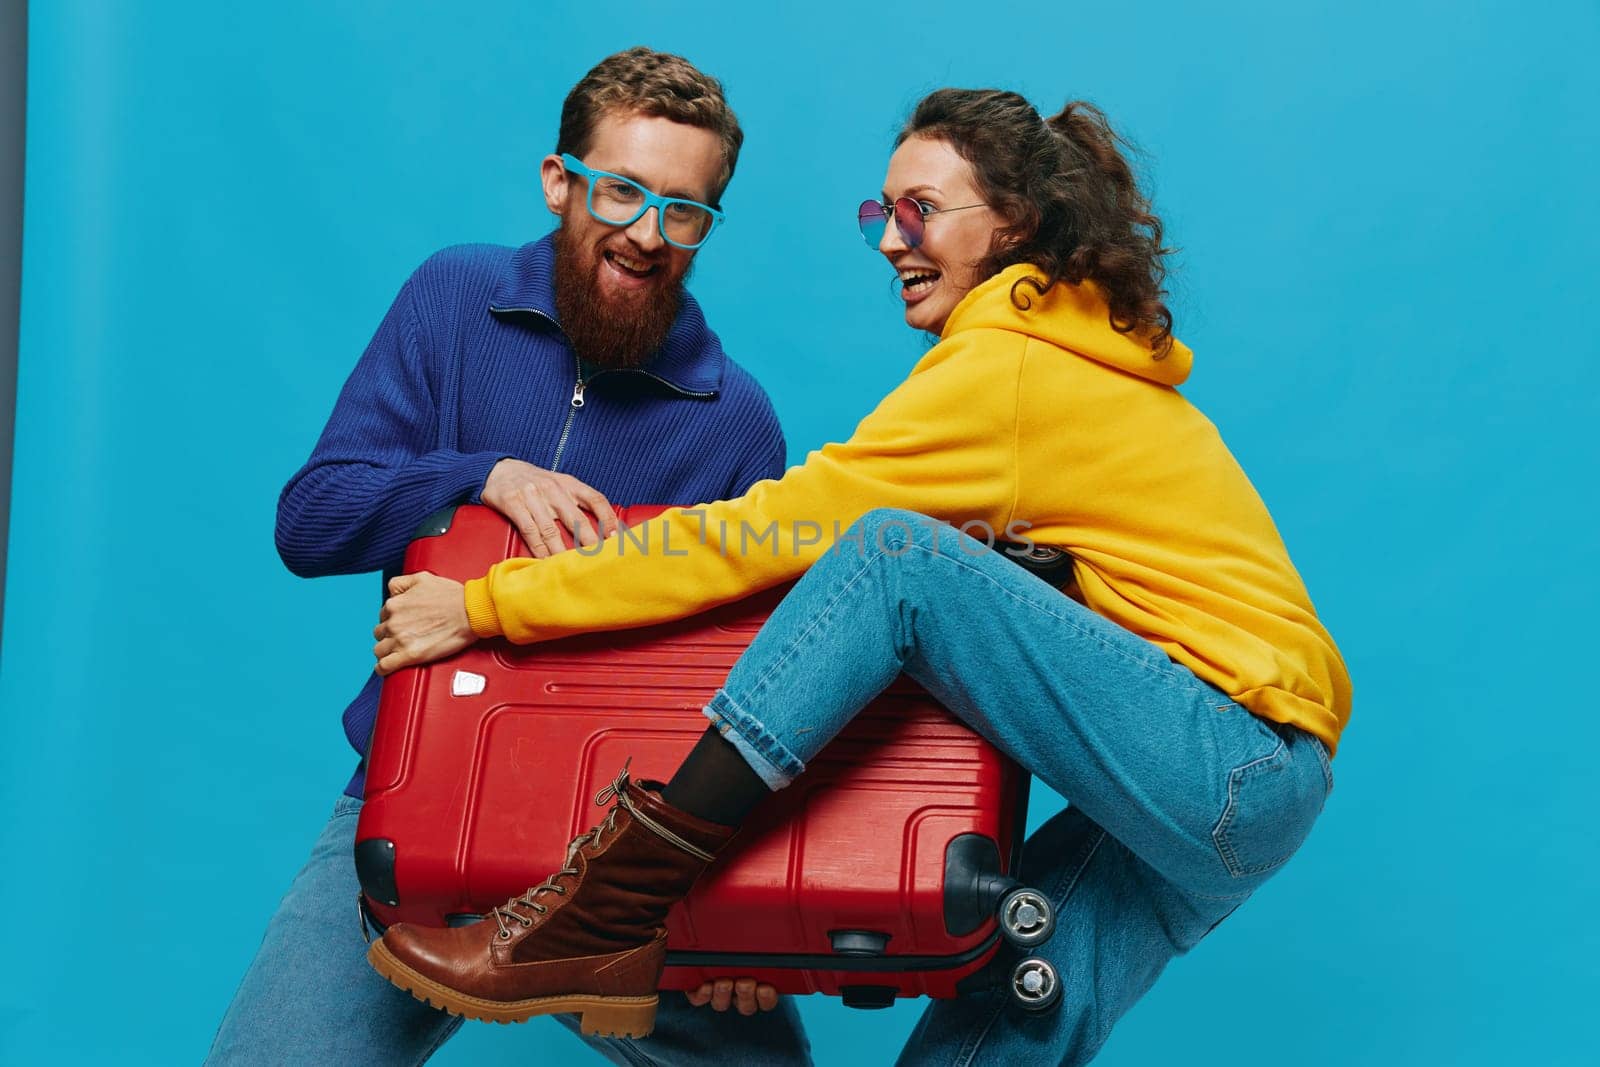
1184, 698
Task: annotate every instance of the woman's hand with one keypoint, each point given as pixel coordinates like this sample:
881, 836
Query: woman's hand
745, 994
424, 619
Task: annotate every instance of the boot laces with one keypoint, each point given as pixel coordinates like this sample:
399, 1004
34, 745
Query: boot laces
617, 790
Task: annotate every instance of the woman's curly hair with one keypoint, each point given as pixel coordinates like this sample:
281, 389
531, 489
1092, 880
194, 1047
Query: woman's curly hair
1070, 200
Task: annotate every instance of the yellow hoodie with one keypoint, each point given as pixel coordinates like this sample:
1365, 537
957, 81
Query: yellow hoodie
1044, 416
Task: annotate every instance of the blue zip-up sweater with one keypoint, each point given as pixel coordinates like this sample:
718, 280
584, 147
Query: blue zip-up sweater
469, 367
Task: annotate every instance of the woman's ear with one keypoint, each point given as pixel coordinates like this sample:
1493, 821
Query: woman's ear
553, 179
1010, 232
1004, 239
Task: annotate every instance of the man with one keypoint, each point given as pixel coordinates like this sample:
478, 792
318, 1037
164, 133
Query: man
541, 381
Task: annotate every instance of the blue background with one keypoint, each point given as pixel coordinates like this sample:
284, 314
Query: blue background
1388, 219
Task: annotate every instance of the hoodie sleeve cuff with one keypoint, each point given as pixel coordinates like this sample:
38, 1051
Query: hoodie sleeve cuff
481, 616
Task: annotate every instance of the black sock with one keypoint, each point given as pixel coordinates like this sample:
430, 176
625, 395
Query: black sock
715, 783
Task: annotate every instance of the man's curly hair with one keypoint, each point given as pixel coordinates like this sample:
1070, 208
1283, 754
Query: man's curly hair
648, 82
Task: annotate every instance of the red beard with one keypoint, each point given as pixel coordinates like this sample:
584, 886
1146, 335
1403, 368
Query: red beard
615, 332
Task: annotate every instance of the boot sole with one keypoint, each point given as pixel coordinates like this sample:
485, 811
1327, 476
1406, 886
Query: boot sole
599, 1016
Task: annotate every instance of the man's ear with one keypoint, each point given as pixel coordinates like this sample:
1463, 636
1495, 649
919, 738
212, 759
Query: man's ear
553, 178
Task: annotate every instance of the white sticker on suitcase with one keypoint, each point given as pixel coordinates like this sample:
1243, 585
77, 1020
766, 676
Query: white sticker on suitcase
466, 684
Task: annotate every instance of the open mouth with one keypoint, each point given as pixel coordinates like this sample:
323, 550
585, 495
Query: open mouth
627, 265
914, 281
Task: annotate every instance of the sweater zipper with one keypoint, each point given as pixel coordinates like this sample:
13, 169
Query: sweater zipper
572, 413
680, 390
577, 390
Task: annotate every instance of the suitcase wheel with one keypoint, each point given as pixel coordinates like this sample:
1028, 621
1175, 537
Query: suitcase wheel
1026, 917
1034, 984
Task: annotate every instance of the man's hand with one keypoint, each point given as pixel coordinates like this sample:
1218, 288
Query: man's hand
744, 994
535, 500
424, 619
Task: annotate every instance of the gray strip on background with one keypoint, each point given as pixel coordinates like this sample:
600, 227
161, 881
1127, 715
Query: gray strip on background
13, 117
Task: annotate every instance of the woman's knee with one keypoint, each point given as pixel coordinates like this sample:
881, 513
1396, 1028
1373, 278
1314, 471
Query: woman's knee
895, 532
890, 526
885, 534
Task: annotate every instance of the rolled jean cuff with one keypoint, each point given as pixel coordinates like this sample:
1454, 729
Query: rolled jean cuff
767, 756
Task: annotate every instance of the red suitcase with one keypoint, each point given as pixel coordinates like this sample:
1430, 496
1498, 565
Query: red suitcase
881, 872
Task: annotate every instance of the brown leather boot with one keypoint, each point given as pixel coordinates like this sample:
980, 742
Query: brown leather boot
588, 939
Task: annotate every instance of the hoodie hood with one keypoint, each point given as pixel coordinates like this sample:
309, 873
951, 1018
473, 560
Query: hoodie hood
1074, 317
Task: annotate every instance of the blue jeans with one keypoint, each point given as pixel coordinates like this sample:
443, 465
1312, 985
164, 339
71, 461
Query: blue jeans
309, 996
1181, 801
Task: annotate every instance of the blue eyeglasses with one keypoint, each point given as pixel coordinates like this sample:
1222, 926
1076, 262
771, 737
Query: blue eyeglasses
618, 201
